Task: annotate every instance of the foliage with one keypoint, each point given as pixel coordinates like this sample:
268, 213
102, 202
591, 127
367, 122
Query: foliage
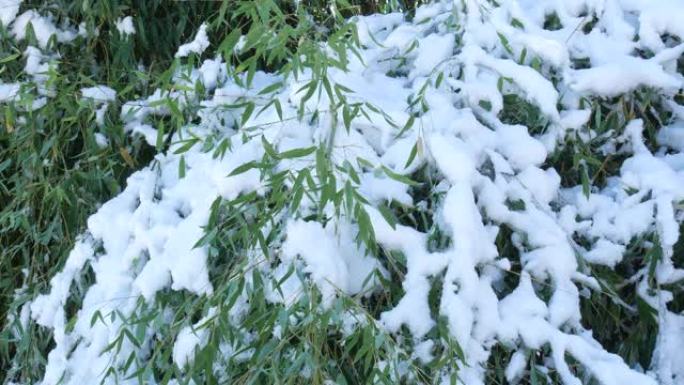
53, 174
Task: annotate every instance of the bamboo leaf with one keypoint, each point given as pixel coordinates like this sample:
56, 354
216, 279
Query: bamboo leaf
399, 178
298, 152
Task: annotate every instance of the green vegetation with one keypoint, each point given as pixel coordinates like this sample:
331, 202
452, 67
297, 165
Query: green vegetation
53, 174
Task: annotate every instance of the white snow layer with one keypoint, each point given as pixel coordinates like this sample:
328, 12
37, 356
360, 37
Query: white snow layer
198, 45
125, 26
99, 93
38, 62
43, 28
142, 241
8, 11
9, 91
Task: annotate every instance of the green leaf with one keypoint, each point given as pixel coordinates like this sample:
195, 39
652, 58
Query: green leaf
297, 152
273, 87
346, 117
517, 23
399, 178
96, 315
187, 145
298, 190
586, 187
344, 89
5, 164
328, 89
440, 78
321, 165
412, 155
160, 136
504, 42
247, 113
251, 71
349, 197
245, 167
228, 44
269, 148
536, 64
9, 58
388, 215
173, 106
366, 232
181, 167
653, 257
351, 172
364, 163
534, 375
131, 338
206, 239
311, 88
279, 109
407, 125
523, 54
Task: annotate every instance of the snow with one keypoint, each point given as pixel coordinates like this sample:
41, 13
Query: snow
198, 45
605, 253
101, 96
332, 267
646, 172
668, 348
379, 189
485, 176
542, 184
672, 136
659, 19
100, 115
101, 140
432, 51
100, 93
211, 71
512, 138
43, 28
516, 366
622, 76
35, 65
8, 11
191, 338
125, 26
9, 91
536, 88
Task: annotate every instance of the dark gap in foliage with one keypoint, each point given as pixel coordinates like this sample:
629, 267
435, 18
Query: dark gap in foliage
77, 291
496, 365
589, 26
629, 333
517, 110
435, 294
580, 64
506, 249
552, 22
